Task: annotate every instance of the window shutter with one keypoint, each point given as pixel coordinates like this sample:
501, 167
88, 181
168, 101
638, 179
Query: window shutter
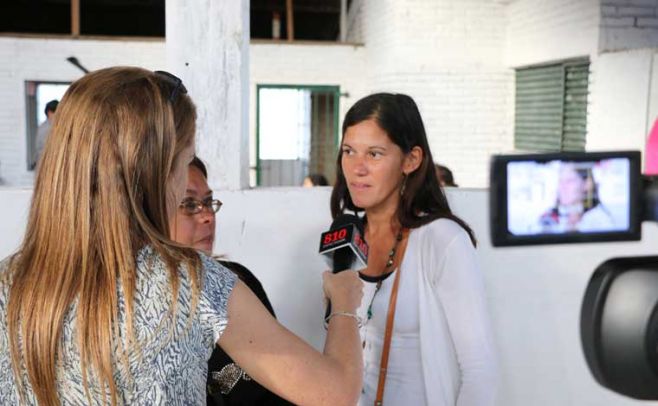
575, 107
551, 107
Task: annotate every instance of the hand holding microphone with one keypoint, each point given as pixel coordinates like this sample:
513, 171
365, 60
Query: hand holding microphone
344, 290
345, 248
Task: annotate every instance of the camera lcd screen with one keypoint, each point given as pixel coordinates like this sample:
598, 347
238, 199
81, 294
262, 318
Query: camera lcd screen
571, 197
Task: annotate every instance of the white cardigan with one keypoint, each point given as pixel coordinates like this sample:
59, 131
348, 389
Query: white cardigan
456, 340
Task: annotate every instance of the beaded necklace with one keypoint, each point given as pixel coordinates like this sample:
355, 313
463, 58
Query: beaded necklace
387, 267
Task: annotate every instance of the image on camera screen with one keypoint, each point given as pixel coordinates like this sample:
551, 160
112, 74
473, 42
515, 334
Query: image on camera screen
568, 197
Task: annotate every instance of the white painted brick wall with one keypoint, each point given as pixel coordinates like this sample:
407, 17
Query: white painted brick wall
422, 35
455, 57
355, 22
467, 117
652, 110
447, 55
306, 64
24, 59
619, 100
540, 31
647, 22
628, 24
617, 22
44, 59
632, 12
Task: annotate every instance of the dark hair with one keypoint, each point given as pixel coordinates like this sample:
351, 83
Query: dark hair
198, 163
317, 179
51, 106
445, 176
591, 198
423, 200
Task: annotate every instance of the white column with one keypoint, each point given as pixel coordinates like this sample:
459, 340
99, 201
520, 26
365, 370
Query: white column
207, 45
343, 20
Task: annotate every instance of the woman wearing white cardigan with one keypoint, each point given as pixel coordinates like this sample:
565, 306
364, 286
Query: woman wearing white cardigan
426, 332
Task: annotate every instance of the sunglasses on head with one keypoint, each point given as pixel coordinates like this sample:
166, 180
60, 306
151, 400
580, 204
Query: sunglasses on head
177, 84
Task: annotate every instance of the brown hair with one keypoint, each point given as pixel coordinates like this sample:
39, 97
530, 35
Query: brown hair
423, 200
100, 195
198, 163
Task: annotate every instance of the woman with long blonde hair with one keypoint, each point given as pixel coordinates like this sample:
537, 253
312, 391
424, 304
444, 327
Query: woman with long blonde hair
99, 306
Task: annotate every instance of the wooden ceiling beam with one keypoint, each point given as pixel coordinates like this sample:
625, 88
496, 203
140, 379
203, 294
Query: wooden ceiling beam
290, 21
75, 18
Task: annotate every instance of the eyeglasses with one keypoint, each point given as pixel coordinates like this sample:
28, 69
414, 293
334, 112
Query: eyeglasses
192, 206
175, 81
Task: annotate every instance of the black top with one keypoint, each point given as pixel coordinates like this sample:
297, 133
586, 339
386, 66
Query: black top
375, 279
227, 384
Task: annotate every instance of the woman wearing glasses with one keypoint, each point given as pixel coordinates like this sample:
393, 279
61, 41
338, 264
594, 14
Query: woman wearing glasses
194, 226
99, 305
194, 221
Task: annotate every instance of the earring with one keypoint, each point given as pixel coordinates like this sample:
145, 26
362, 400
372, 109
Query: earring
404, 184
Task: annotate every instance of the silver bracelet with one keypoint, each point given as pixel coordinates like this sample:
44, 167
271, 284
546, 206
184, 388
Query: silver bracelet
346, 314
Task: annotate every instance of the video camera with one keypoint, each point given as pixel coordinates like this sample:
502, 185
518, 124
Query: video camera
581, 198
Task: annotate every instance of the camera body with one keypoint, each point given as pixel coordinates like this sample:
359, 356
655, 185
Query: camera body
619, 326
582, 198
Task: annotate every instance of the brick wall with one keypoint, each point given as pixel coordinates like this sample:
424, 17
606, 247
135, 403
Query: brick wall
611, 33
628, 24
45, 60
26, 59
447, 55
305, 64
455, 57
467, 117
355, 22
620, 92
540, 31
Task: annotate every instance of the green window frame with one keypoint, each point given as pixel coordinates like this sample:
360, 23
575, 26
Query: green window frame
313, 88
551, 106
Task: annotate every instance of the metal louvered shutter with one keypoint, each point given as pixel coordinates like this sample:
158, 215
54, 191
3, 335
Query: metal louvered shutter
574, 123
551, 107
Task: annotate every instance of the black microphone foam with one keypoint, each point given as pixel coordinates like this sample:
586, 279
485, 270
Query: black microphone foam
343, 258
346, 232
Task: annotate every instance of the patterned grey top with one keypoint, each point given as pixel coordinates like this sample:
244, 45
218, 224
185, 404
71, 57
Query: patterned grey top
169, 369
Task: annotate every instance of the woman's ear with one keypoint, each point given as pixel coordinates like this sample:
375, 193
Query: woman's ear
412, 160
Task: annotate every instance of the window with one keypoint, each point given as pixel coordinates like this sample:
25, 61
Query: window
145, 18
38, 94
41, 16
551, 107
296, 133
317, 20
94, 17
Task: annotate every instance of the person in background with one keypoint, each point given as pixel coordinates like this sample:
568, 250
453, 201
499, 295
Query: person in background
424, 302
315, 179
577, 207
194, 226
445, 176
99, 306
44, 129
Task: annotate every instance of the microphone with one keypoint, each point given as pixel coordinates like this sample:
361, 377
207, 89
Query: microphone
344, 246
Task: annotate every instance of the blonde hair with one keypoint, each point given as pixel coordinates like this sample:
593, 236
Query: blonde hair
100, 196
